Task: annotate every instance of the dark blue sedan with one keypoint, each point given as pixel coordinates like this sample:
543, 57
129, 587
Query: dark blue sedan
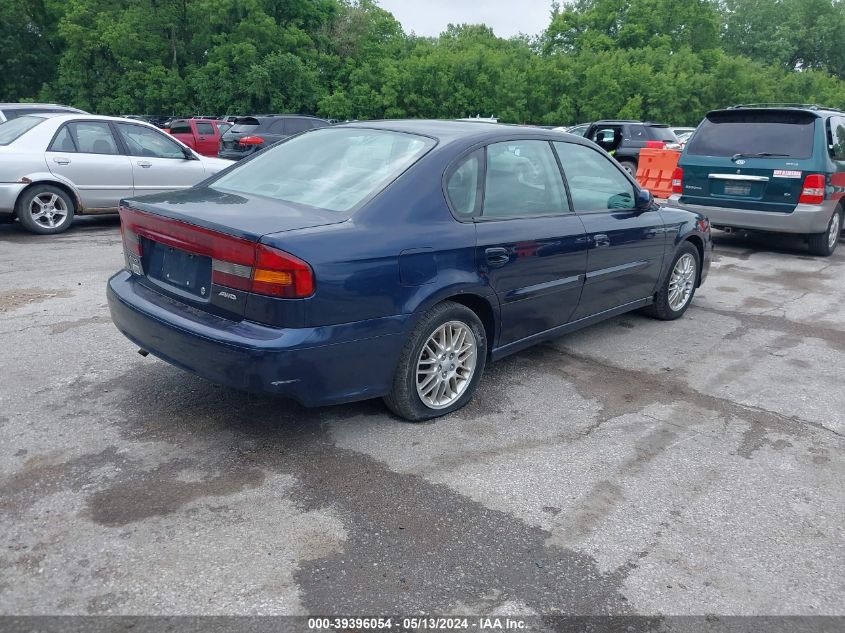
395, 259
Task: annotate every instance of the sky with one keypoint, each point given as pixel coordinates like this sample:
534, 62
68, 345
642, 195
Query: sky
505, 17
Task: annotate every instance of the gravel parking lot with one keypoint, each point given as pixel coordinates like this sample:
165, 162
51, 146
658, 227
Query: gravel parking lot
690, 467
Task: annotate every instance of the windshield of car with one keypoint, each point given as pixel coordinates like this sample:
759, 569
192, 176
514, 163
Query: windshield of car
14, 129
781, 134
330, 168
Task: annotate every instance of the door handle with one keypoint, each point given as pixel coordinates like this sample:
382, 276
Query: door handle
601, 240
202, 138
497, 257
144, 164
62, 161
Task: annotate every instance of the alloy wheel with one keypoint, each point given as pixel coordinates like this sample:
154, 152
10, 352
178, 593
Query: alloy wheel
48, 209
446, 365
682, 282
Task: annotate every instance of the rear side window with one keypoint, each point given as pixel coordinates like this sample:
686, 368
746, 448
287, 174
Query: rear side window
63, 142
780, 134
656, 133
14, 129
595, 183
93, 137
295, 126
335, 169
278, 126
180, 127
837, 137
523, 180
205, 128
463, 186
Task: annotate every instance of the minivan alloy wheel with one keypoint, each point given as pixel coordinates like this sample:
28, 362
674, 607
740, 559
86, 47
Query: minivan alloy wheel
48, 209
833, 231
446, 365
682, 281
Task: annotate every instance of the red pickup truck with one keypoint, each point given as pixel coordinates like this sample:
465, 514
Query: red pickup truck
201, 135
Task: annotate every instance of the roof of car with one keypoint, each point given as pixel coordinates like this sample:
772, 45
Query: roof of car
449, 130
649, 123
816, 110
27, 106
70, 116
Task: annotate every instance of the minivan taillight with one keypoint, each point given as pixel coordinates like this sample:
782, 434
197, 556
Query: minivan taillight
813, 190
235, 262
678, 180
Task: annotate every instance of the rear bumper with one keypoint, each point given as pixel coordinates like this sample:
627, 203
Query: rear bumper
806, 218
9, 192
315, 366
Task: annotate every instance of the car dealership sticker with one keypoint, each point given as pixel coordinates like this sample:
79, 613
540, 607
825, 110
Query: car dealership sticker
787, 173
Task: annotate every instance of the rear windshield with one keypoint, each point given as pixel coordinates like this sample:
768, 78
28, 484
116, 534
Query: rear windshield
244, 126
331, 168
661, 134
11, 130
783, 134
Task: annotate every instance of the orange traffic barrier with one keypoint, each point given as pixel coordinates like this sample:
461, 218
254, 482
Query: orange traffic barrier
655, 169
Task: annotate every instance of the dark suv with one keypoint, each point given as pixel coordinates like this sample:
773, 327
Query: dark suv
9, 111
768, 167
624, 139
250, 134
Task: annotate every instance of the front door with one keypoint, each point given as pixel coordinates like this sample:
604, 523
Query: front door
158, 162
530, 245
626, 245
87, 154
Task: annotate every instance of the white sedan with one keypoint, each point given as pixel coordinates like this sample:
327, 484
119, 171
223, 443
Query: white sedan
55, 166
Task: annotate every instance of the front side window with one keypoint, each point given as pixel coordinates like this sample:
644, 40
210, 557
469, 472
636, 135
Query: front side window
295, 126
463, 185
143, 141
522, 180
334, 169
595, 182
15, 128
93, 137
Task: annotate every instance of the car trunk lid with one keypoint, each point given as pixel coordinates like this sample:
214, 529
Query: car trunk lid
200, 247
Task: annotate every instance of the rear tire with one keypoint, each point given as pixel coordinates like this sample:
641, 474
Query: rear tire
630, 167
823, 244
45, 210
440, 365
678, 289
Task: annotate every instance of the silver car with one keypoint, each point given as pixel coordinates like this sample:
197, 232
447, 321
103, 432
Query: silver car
55, 166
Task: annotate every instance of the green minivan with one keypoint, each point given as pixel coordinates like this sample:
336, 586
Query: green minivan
768, 167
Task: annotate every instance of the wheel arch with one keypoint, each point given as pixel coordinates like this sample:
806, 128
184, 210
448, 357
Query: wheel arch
484, 310
696, 241
69, 189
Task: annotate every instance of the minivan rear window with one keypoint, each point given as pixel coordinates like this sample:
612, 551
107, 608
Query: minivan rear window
783, 134
15, 128
332, 168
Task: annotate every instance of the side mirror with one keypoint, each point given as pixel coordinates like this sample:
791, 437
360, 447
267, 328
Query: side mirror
644, 200
189, 155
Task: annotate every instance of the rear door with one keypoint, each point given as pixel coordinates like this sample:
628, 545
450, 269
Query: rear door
158, 162
529, 243
751, 159
87, 154
207, 138
626, 245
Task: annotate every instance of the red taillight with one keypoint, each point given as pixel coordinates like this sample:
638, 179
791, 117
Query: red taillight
813, 190
655, 144
678, 180
236, 262
251, 140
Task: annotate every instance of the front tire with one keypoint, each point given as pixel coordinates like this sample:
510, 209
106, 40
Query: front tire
45, 210
440, 365
678, 289
824, 244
